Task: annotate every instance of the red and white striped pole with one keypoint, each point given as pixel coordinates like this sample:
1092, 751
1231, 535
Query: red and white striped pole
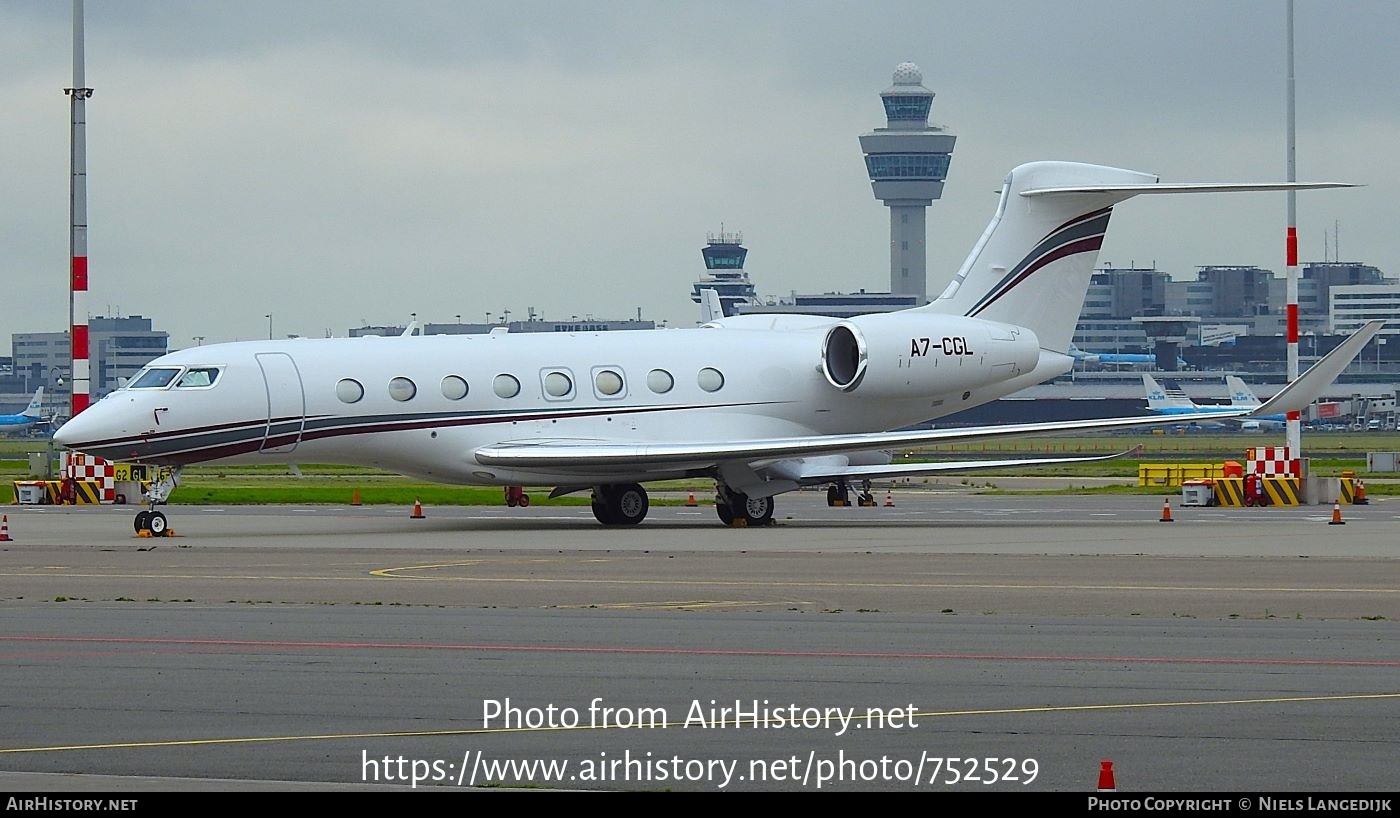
77, 237
1294, 428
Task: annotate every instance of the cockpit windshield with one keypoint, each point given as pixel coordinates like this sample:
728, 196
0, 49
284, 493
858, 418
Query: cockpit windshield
197, 376
154, 378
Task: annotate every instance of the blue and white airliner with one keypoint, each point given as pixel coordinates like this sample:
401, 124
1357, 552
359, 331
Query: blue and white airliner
1175, 402
32, 414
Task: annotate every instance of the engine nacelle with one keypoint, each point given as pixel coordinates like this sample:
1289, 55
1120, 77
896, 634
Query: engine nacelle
916, 354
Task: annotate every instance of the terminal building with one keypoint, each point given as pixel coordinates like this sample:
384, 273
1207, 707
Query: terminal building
532, 323
119, 347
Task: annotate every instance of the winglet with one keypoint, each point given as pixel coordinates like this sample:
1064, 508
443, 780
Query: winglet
1296, 396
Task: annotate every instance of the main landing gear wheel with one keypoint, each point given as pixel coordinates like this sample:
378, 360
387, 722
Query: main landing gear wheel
624, 504
838, 494
733, 507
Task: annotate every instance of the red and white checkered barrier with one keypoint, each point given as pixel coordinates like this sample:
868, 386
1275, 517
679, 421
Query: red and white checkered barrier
1274, 461
81, 466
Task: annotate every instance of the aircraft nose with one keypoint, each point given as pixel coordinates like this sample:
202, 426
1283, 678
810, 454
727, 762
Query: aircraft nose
76, 431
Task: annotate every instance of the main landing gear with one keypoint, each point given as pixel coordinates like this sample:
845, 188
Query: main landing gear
839, 494
152, 523
738, 509
627, 504
620, 504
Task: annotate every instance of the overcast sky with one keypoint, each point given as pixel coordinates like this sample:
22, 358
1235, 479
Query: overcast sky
339, 163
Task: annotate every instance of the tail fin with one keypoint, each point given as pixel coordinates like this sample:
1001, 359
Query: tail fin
1031, 267
1240, 393
36, 404
710, 307
1159, 399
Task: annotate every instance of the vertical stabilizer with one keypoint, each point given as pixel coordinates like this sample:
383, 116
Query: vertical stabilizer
36, 405
1031, 267
1240, 393
1160, 400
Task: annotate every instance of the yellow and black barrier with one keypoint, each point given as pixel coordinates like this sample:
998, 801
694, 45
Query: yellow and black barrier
85, 492
1229, 491
1278, 491
1283, 491
1348, 490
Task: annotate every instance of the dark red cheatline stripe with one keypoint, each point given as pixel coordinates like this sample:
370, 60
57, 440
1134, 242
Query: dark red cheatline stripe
798, 654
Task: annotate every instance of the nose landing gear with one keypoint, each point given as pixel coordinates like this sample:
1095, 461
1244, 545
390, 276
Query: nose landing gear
152, 523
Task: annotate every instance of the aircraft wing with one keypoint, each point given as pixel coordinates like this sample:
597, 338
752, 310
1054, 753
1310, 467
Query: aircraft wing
556, 453
605, 454
816, 473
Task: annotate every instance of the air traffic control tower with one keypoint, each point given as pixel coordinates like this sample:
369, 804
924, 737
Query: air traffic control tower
907, 161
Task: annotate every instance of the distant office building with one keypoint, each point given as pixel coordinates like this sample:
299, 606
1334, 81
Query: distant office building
834, 305
907, 161
571, 324
724, 256
119, 348
1351, 305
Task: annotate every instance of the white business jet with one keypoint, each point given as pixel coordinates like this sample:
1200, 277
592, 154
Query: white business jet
763, 404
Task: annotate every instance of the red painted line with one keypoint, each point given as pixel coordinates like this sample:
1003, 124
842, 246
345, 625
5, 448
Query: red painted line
800, 654
1292, 246
1293, 323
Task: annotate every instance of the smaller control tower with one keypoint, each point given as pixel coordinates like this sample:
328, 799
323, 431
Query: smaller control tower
724, 265
907, 161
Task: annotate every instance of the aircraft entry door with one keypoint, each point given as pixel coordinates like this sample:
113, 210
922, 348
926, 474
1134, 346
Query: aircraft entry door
286, 402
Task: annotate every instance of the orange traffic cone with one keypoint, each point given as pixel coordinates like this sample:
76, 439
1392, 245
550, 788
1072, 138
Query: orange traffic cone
889, 499
1166, 512
690, 501
1106, 777
355, 498
1337, 515
417, 510
1360, 498
5, 528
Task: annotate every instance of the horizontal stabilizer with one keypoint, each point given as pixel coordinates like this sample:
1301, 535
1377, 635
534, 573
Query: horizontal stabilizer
1202, 187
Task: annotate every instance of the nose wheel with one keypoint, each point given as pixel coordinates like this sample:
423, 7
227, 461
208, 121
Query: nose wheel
152, 523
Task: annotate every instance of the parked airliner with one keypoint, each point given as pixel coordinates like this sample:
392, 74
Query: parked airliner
763, 404
1175, 402
32, 414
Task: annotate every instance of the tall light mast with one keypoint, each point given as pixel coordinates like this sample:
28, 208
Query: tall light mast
77, 222
1293, 436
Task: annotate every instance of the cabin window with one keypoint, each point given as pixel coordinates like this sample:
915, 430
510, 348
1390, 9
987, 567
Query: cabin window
710, 379
608, 382
349, 390
402, 389
454, 387
660, 381
505, 386
197, 376
157, 378
558, 384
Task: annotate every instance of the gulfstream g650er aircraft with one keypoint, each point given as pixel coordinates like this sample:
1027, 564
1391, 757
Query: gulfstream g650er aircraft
762, 404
